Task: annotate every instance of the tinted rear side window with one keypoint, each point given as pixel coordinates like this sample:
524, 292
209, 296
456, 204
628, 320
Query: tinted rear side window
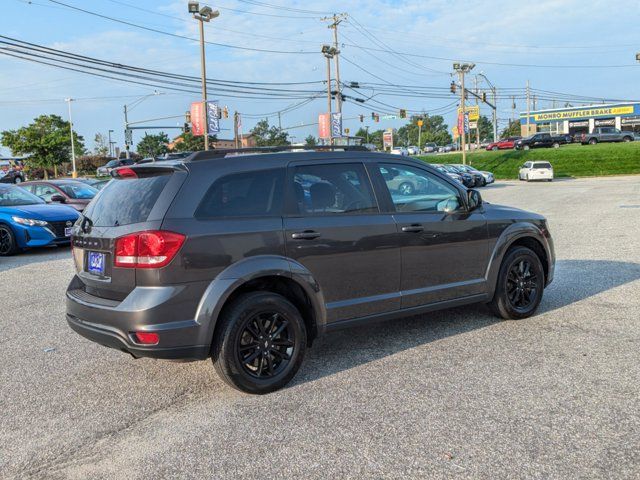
542, 165
126, 201
247, 194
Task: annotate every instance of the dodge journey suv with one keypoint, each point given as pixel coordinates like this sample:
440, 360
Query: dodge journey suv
247, 258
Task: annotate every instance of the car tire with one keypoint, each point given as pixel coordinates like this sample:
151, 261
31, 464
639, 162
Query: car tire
592, 141
626, 139
484, 183
526, 147
8, 244
495, 149
406, 188
17, 180
520, 285
555, 145
248, 325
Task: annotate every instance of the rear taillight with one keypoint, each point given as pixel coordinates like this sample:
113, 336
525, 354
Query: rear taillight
152, 249
124, 172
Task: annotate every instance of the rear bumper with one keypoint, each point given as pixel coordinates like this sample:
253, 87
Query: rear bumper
115, 339
160, 310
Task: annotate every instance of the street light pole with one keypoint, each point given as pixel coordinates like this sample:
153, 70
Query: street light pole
494, 97
463, 68
204, 14
74, 173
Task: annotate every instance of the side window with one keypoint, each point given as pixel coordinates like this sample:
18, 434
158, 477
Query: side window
45, 192
249, 194
336, 188
416, 190
527, 165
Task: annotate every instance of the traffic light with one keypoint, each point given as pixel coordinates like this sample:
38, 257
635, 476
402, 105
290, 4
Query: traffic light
403, 113
361, 118
225, 112
453, 87
376, 117
187, 116
373, 115
187, 127
484, 97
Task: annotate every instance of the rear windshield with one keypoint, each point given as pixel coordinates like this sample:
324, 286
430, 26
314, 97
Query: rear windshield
126, 201
542, 165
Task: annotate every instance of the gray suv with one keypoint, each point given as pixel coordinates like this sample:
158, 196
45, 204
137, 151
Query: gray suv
248, 258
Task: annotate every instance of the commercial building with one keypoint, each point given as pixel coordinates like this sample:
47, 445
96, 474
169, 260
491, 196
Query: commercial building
576, 120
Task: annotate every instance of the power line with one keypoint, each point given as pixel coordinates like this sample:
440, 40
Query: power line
184, 37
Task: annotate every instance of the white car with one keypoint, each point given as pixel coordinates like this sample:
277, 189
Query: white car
413, 150
400, 151
536, 171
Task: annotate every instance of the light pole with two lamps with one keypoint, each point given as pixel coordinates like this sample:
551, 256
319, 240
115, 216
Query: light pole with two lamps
461, 69
204, 14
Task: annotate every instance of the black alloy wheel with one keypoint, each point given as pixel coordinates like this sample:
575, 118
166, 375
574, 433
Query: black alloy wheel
266, 344
520, 284
260, 342
7, 241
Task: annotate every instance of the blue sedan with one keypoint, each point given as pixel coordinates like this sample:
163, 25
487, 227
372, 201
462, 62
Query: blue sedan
27, 221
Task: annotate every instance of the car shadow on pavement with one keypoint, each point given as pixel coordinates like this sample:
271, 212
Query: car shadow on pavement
575, 280
37, 255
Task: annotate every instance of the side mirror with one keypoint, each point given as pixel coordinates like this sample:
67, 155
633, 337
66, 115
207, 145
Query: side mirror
474, 199
58, 198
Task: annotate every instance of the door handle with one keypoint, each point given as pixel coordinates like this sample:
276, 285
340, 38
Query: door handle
415, 228
306, 235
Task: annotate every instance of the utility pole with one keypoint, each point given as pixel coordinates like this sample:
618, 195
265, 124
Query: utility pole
475, 79
204, 14
235, 128
336, 20
528, 109
110, 144
329, 52
462, 69
74, 173
126, 134
279, 121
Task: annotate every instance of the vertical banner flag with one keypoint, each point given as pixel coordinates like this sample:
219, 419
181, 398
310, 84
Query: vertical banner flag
336, 124
466, 122
197, 119
460, 122
324, 126
213, 117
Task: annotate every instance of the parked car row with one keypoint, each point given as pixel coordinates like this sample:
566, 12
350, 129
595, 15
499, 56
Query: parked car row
466, 175
11, 171
124, 162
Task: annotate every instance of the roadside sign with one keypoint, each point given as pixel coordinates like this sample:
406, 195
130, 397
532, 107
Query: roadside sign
197, 119
473, 124
420, 123
387, 138
128, 136
324, 126
388, 117
336, 124
213, 117
472, 110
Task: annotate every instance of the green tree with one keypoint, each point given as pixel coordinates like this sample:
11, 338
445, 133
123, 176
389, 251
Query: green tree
267, 136
433, 130
375, 136
153, 145
512, 130
310, 141
187, 142
486, 128
100, 145
47, 141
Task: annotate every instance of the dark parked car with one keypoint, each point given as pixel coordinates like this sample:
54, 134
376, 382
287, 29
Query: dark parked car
606, 134
70, 192
542, 140
478, 178
468, 180
248, 261
97, 183
11, 171
26, 221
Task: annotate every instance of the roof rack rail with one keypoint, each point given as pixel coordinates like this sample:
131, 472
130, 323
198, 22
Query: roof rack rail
223, 152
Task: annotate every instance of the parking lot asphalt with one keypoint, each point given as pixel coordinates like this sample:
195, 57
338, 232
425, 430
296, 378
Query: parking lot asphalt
456, 393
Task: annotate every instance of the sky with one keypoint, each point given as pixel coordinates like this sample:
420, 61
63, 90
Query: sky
565, 46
